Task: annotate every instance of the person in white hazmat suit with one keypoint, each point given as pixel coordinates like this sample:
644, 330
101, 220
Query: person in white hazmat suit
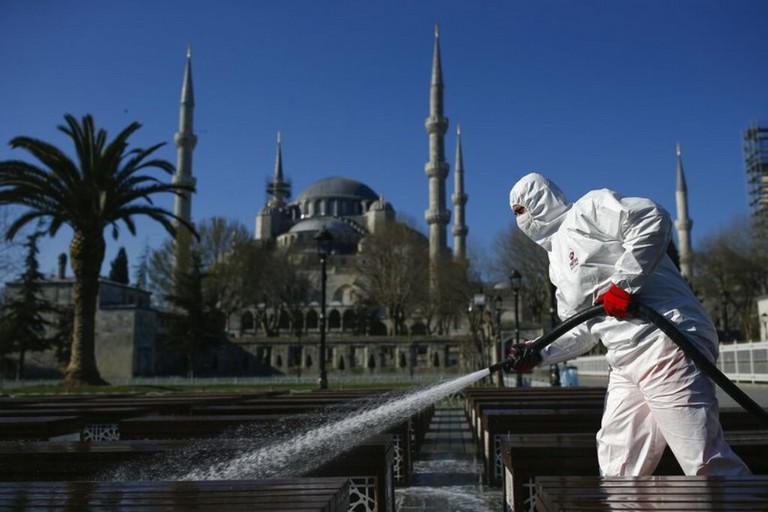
610, 249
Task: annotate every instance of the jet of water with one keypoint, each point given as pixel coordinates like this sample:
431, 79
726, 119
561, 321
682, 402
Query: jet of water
311, 449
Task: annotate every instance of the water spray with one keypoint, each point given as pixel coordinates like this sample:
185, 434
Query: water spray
640, 310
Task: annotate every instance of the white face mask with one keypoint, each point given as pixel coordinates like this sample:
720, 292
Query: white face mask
530, 226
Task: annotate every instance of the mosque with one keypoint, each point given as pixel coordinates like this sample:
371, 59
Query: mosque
348, 211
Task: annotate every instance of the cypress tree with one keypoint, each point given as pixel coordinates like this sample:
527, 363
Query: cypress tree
119, 269
24, 320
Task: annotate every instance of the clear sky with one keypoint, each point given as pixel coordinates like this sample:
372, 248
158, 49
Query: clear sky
591, 93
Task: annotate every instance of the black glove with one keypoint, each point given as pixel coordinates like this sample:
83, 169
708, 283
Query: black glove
521, 358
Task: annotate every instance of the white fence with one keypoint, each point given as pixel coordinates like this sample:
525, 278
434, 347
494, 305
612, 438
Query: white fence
741, 362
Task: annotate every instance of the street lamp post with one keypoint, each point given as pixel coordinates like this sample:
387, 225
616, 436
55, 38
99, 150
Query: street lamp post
323, 239
476, 310
554, 370
497, 300
515, 282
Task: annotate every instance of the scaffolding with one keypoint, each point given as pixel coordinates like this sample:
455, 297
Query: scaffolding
756, 162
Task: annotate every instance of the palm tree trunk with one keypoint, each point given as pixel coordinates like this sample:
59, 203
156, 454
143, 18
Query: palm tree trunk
86, 254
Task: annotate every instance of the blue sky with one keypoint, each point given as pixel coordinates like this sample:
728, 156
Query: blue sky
591, 93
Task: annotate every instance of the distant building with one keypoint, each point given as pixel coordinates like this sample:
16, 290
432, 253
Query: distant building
756, 164
126, 330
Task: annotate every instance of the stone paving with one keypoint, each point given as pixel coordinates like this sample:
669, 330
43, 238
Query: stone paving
447, 473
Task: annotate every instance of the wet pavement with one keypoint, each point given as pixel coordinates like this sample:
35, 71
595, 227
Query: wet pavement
447, 474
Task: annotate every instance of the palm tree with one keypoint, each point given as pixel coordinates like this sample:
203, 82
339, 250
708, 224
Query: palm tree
103, 187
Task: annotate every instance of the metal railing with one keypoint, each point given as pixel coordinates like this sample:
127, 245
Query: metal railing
336, 381
740, 362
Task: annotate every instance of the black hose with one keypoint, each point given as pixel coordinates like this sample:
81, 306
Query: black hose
674, 334
559, 330
701, 361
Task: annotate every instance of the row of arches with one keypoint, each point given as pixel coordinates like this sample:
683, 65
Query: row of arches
308, 321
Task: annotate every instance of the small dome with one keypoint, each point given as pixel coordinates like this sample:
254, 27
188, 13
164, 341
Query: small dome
332, 224
337, 187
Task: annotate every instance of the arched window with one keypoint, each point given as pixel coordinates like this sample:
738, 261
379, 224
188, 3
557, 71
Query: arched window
246, 321
349, 320
312, 320
334, 319
298, 322
285, 320
418, 328
377, 326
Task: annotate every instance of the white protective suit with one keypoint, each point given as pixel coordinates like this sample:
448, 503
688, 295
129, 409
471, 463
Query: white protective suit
656, 396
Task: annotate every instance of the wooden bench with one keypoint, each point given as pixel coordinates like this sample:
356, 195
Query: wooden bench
368, 465
498, 423
476, 395
300, 495
41, 427
658, 493
526, 456
172, 403
75, 460
530, 398
553, 402
99, 424
101, 414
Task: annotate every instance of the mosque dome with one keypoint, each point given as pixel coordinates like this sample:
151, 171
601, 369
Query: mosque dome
337, 187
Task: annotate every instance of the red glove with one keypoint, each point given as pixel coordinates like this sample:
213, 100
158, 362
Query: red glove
615, 301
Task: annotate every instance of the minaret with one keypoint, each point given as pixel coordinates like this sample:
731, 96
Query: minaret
185, 140
683, 223
459, 199
279, 189
437, 168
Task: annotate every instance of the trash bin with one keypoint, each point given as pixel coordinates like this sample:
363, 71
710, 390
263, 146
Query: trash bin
569, 376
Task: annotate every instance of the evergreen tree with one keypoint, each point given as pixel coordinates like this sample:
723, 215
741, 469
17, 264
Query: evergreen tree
24, 323
61, 335
119, 270
141, 270
194, 323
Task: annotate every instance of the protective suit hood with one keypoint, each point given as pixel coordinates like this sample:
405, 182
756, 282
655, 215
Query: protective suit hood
545, 204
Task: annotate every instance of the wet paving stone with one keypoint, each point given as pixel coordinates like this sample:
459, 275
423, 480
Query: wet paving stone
447, 474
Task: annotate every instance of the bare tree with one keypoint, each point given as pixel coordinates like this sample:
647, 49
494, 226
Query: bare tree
731, 272
515, 251
260, 276
454, 288
283, 290
217, 238
395, 265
